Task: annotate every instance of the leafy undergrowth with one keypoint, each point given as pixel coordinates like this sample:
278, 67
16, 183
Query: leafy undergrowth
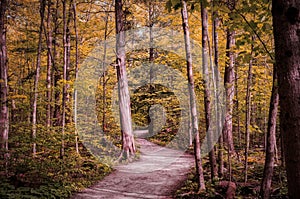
48, 175
249, 190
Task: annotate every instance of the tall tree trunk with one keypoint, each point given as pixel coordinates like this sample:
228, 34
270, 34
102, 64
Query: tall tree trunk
151, 62
56, 72
248, 113
4, 111
49, 66
237, 105
76, 73
207, 93
265, 189
37, 76
65, 68
229, 84
128, 146
286, 22
217, 79
193, 107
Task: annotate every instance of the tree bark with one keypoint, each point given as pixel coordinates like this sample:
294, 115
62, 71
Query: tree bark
197, 148
248, 113
76, 73
217, 78
128, 146
207, 93
286, 22
265, 189
49, 66
229, 84
4, 110
37, 76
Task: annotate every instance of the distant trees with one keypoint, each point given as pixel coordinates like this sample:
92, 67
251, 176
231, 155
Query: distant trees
286, 22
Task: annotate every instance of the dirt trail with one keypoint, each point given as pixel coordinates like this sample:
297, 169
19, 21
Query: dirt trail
157, 174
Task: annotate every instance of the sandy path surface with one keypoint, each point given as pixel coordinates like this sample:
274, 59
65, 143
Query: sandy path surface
157, 174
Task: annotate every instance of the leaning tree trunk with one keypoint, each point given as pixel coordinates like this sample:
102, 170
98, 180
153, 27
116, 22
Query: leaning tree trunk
4, 112
37, 76
193, 107
128, 146
207, 93
286, 22
265, 189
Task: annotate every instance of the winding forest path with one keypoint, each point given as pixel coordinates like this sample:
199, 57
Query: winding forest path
157, 174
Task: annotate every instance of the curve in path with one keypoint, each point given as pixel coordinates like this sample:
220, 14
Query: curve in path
146, 178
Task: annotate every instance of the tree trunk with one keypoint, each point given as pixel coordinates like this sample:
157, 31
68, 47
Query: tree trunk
217, 79
207, 93
197, 148
37, 76
4, 111
248, 113
286, 22
265, 189
76, 73
229, 84
128, 146
49, 66
56, 72
65, 66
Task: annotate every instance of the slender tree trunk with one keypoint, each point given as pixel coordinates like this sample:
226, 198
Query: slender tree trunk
248, 114
37, 76
49, 66
65, 66
76, 73
4, 111
207, 93
265, 189
237, 104
194, 117
286, 24
56, 72
128, 146
217, 78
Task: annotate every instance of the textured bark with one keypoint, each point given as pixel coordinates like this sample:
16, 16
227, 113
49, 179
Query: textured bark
4, 111
128, 146
248, 114
37, 76
265, 189
229, 76
207, 93
194, 118
286, 22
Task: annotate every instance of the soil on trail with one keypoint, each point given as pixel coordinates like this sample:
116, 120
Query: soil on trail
157, 174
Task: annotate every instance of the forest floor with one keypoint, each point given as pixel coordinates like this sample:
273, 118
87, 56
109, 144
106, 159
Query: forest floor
158, 173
